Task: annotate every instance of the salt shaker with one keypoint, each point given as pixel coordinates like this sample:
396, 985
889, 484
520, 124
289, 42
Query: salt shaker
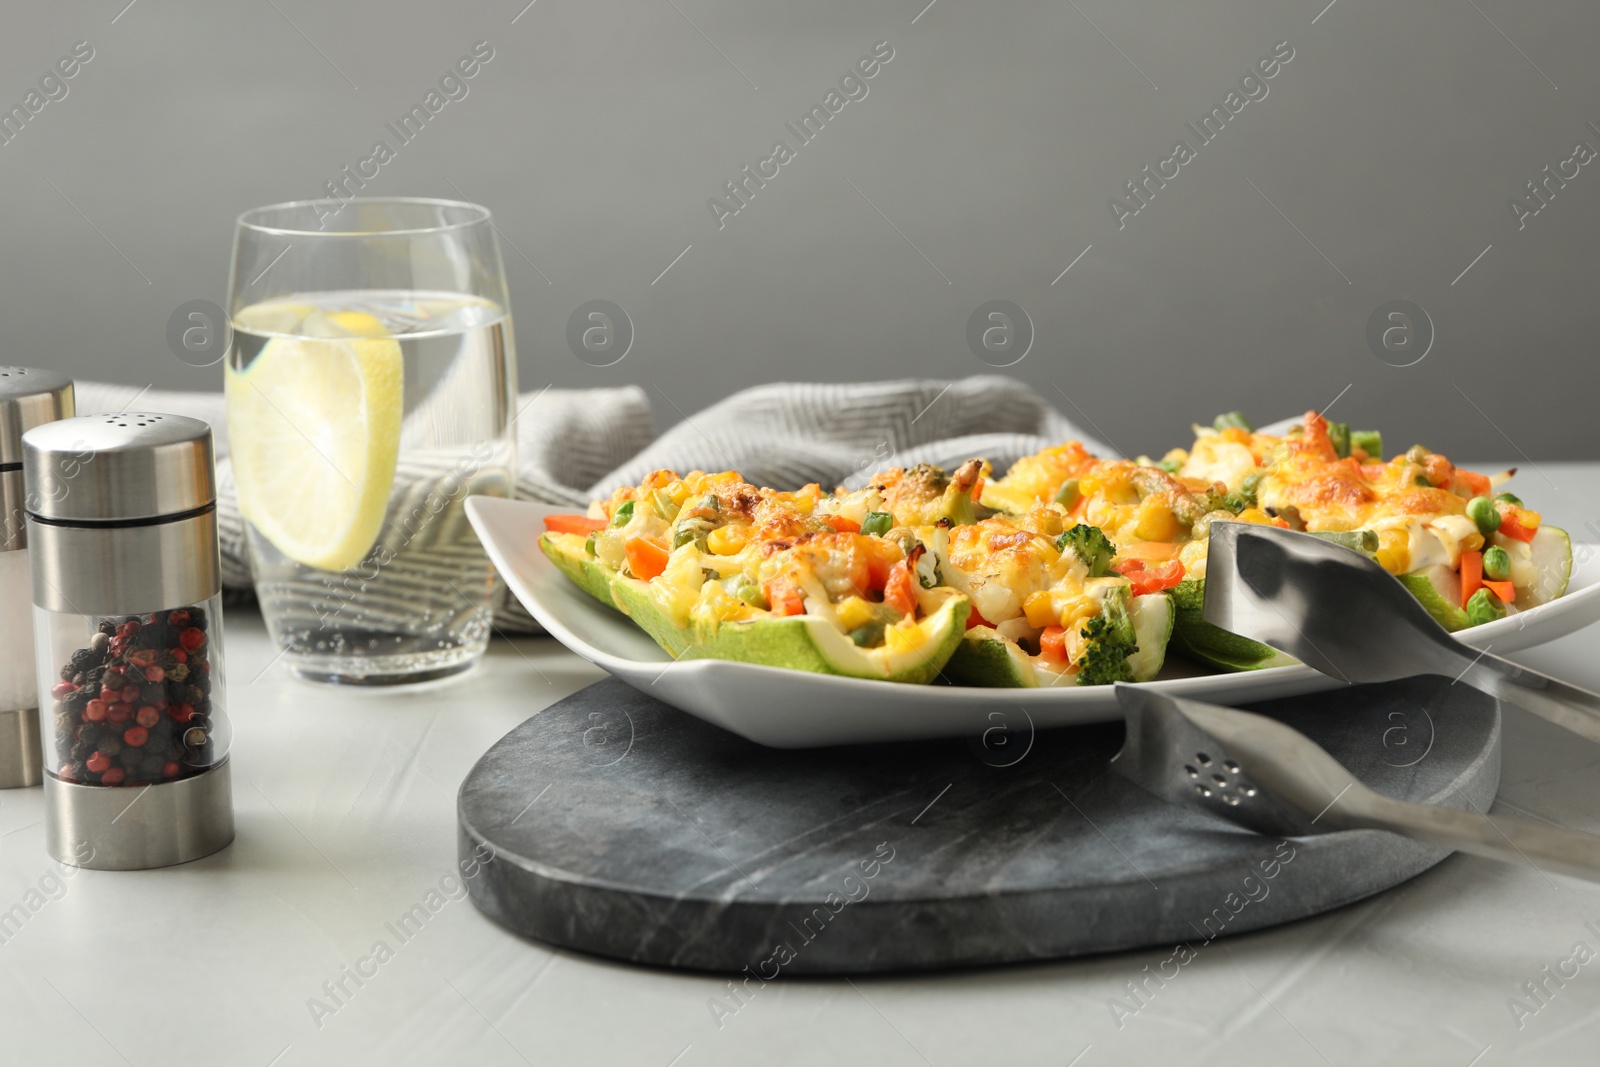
28, 398
122, 526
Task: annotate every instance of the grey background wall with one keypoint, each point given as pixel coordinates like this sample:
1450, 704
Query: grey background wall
980, 164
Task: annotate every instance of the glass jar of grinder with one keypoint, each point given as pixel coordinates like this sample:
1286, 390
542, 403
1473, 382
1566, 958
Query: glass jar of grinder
28, 398
122, 527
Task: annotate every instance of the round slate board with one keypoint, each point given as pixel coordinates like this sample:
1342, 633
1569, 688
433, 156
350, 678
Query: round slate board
623, 827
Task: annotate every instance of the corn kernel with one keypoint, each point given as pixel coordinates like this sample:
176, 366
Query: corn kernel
1255, 515
1394, 552
904, 637
854, 612
1156, 523
1040, 609
678, 492
727, 540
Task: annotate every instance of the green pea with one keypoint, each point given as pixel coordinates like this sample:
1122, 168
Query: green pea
877, 523
588, 546
1068, 494
1509, 498
751, 594
623, 513
869, 635
1481, 510
1484, 607
1496, 563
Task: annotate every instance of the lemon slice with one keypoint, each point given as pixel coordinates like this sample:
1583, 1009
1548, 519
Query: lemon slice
314, 432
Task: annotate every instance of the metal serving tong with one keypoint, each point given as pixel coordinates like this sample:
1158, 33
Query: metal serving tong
1338, 611
1270, 778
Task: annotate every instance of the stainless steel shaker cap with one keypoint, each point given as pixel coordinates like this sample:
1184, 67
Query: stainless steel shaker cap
29, 398
122, 467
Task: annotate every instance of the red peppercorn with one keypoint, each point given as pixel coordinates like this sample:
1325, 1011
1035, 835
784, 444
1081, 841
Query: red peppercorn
94, 711
62, 690
169, 769
178, 618
147, 716
205, 668
154, 674
130, 693
119, 713
135, 736
119, 645
178, 655
192, 638
97, 762
144, 657
108, 695
127, 628
65, 773
113, 777
180, 712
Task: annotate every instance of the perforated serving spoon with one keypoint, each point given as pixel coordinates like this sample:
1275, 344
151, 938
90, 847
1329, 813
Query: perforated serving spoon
1270, 778
1338, 611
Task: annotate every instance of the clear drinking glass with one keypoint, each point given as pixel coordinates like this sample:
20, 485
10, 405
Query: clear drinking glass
370, 384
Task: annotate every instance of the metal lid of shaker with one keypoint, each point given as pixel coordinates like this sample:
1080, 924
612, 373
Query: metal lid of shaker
29, 397
118, 468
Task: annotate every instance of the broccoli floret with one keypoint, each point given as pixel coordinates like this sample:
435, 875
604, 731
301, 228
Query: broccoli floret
1089, 544
1110, 641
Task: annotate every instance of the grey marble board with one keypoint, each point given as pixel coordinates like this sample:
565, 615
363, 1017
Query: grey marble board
620, 826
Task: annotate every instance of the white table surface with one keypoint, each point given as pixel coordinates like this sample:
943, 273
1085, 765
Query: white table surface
346, 819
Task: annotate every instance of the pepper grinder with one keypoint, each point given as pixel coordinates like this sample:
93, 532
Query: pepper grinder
28, 398
127, 594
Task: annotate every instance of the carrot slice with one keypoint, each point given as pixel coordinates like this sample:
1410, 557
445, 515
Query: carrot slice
841, 524
647, 557
1475, 483
1053, 644
1471, 575
783, 597
1503, 590
578, 524
898, 592
1514, 523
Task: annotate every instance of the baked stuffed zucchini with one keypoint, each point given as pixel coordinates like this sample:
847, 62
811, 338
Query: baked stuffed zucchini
712, 567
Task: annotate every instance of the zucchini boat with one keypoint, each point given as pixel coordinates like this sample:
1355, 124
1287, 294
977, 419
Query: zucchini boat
712, 567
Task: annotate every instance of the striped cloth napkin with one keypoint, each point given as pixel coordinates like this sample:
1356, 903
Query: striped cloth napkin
577, 444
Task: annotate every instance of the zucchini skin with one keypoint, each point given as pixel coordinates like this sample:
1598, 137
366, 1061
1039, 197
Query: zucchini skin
798, 642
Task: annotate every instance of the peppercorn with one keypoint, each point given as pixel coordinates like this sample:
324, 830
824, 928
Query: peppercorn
194, 737
135, 736
98, 762
191, 638
113, 777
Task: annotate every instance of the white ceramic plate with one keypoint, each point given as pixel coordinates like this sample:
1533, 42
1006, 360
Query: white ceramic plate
798, 709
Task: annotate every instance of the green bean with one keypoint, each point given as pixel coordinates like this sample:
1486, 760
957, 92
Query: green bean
1509, 498
623, 513
877, 523
1234, 420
